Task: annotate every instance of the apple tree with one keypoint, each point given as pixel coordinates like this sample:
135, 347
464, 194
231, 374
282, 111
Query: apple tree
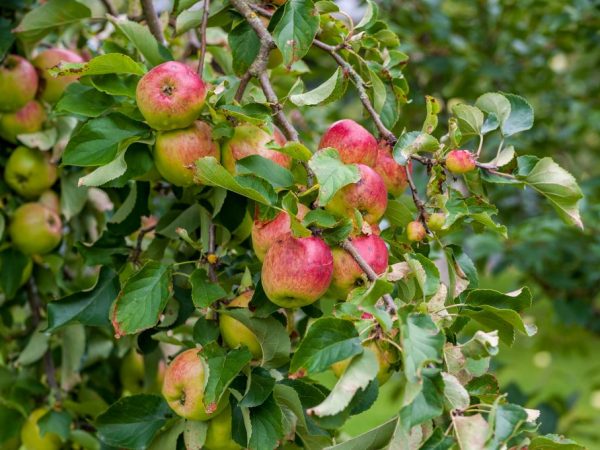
194, 255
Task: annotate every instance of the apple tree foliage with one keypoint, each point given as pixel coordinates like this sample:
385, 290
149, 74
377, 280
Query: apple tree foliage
147, 268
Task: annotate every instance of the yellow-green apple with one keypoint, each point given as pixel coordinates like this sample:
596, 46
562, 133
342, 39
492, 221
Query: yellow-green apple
249, 140
415, 231
386, 356
460, 161
297, 271
368, 196
352, 141
176, 151
436, 221
29, 172
31, 437
132, 374
51, 200
35, 229
170, 96
264, 233
234, 333
392, 173
347, 274
18, 83
52, 88
218, 435
183, 387
28, 119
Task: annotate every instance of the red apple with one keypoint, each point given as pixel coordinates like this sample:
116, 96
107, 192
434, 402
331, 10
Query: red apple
368, 196
176, 151
35, 229
183, 387
264, 233
18, 83
353, 142
392, 173
415, 231
251, 140
28, 119
52, 88
297, 271
170, 96
347, 274
460, 161
29, 172
234, 333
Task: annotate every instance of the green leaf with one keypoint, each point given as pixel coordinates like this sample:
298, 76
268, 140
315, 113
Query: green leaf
142, 299
370, 17
328, 340
520, 117
412, 143
84, 101
277, 176
266, 429
260, 386
111, 63
204, 293
205, 331
329, 91
57, 422
496, 104
554, 442
427, 404
455, 395
90, 307
167, 439
481, 345
507, 420
438, 441
296, 29
132, 421
116, 84
108, 172
143, 41
428, 275
506, 321
471, 431
223, 367
188, 19
332, 174
374, 439
12, 266
422, 342
245, 45
194, 434
518, 300
433, 109
7, 38
470, 119
35, 348
320, 218
296, 150
44, 18
254, 113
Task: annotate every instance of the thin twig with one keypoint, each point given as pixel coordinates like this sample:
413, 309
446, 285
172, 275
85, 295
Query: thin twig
212, 257
137, 251
203, 37
239, 94
152, 20
109, 7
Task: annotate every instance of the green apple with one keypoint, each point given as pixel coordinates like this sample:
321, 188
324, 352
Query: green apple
31, 437
35, 229
386, 356
132, 374
29, 172
436, 221
235, 333
28, 119
218, 435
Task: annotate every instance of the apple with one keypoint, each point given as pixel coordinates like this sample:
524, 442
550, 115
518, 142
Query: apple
132, 374
368, 196
297, 271
50, 200
29, 172
31, 437
386, 356
183, 387
35, 229
218, 435
249, 140
52, 88
353, 142
460, 161
415, 231
264, 233
18, 83
170, 96
176, 151
436, 221
235, 334
28, 119
347, 274
392, 173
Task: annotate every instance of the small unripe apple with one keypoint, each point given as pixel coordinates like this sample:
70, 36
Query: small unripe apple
28, 119
35, 229
353, 142
415, 231
132, 374
436, 221
297, 271
52, 88
29, 172
392, 173
18, 83
264, 233
176, 152
234, 333
170, 96
460, 161
249, 140
368, 196
218, 435
31, 437
386, 356
347, 274
183, 387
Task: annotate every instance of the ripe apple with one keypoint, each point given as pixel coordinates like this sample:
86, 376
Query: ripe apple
31, 437
218, 435
347, 274
460, 161
51, 200
176, 151
368, 195
415, 231
35, 229
386, 356
170, 96
249, 140
52, 88
183, 387
18, 83
264, 233
132, 374
28, 119
235, 334
297, 271
436, 221
353, 142
29, 172
392, 173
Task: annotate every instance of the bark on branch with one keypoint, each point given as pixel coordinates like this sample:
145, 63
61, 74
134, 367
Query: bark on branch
152, 20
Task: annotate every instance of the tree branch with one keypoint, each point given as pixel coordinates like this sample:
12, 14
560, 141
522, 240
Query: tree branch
152, 20
203, 37
110, 9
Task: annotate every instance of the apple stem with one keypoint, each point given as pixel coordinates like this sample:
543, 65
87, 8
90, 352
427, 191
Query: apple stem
203, 37
153, 21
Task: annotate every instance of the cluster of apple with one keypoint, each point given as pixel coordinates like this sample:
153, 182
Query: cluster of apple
35, 227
